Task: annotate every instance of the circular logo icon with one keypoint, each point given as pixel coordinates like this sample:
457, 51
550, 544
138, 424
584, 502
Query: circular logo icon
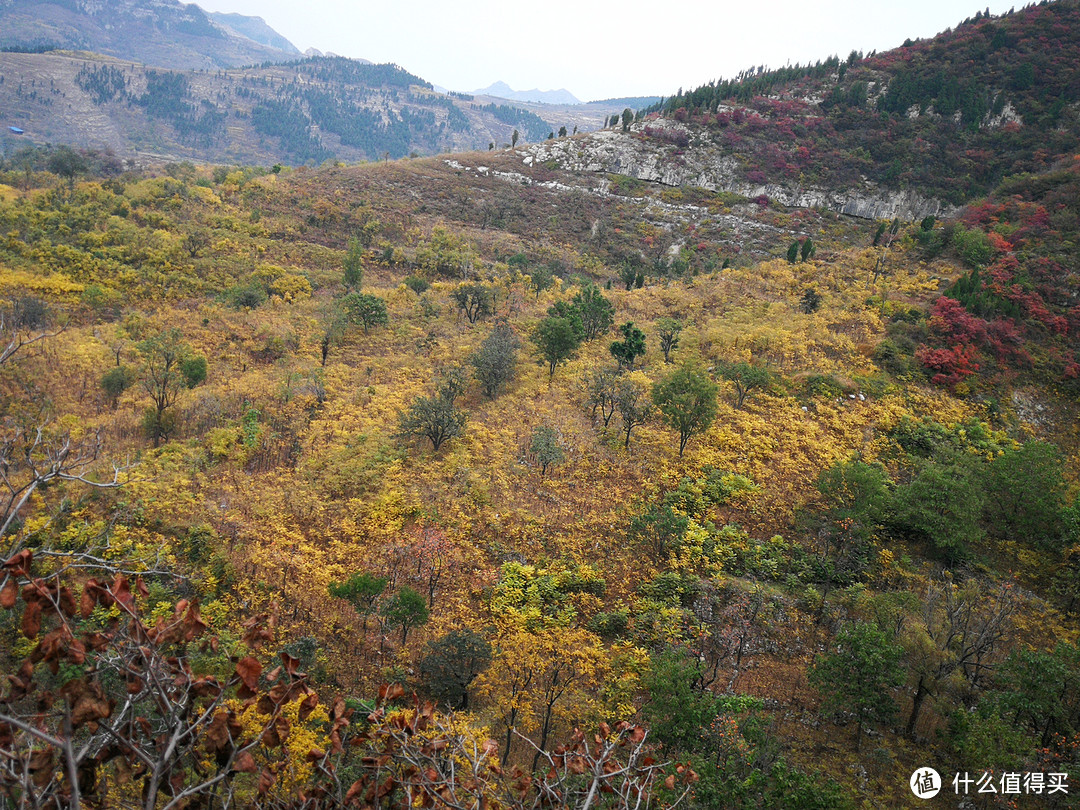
925, 783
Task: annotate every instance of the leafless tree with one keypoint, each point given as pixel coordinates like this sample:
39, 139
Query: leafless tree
613, 768
958, 631
35, 453
33, 456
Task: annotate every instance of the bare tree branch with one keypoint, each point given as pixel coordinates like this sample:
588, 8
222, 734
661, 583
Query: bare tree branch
31, 457
14, 337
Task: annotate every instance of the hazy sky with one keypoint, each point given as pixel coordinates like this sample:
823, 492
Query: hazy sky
600, 49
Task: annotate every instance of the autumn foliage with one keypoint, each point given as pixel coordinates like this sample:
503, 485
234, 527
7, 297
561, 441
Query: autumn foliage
421, 537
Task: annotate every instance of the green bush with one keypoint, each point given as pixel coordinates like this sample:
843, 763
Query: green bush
417, 284
942, 505
247, 296
1025, 489
823, 385
973, 247
610, 626
894, 358
116, 381
194, 370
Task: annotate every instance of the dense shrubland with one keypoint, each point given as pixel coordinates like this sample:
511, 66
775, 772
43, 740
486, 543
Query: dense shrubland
283, 447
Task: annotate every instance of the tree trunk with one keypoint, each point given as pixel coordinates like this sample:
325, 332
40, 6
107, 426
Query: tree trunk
916, 706
509, 734
544, 734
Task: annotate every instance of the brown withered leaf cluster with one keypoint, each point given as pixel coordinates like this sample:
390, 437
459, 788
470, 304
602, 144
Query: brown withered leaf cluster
130, 711
130, 704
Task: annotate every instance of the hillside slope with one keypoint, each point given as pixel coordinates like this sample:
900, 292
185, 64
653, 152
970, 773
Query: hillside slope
510, 478
915, 131
706, 583
307, 110
255, 29
161, 33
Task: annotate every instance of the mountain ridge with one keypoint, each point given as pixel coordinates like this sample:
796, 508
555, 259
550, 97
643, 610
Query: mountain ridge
255, 29
501, 89
952, 115
160, 33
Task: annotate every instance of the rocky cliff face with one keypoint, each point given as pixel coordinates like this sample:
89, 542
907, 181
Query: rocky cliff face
702, 163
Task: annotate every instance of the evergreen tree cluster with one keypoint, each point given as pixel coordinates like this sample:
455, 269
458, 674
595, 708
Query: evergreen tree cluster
747, 85
533, 126
349, 72
102, 82
167, 98
286, 121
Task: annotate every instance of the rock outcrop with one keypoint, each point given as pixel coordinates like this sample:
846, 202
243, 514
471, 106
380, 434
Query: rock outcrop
701, 163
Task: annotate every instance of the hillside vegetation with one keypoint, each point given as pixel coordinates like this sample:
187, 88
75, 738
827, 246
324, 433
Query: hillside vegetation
292, 113
162, 33
950, 116
465, 482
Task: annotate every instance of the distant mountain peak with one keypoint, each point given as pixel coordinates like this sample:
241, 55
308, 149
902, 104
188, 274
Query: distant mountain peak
501, 89
253, 28
317, 54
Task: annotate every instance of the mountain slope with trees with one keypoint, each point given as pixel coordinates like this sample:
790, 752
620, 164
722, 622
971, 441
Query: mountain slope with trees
950, 116
304, 111
165, 33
